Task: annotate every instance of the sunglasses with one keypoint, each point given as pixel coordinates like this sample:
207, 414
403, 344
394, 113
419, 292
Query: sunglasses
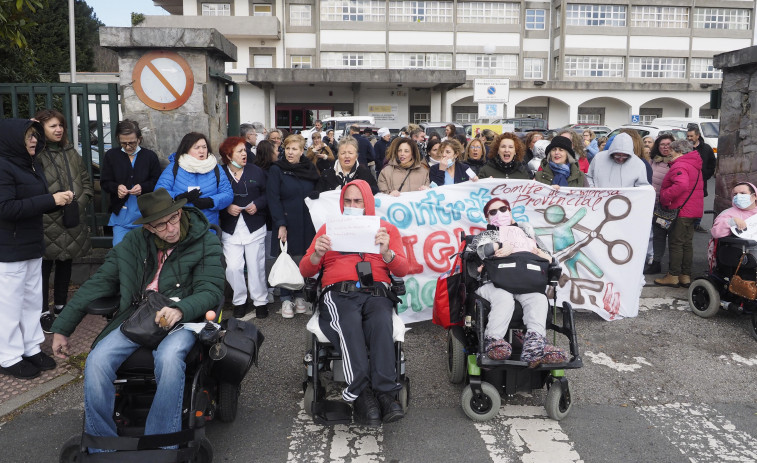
493, 212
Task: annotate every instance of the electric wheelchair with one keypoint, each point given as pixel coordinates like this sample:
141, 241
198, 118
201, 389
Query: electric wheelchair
711, 292
215, 367
323, 362
488, 380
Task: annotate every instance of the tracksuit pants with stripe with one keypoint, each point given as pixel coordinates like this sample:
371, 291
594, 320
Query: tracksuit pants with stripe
360, 323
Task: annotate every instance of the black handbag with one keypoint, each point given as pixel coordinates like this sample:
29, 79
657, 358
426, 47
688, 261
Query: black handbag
140, 327
519, 273
70, 211
237, 350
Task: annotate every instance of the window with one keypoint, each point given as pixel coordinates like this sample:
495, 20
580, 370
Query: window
429, 12
216, 9
533, 68
262, 9
353, 10
299, 15
646, 119
466, 118
420, 60
338, 60
593, 66
536, 20
488, 65
596, 15
419, 118
665, 17
301, 61
262, 61
721, 18
701, 68
660, 68
589, 118
488, 13
529, 115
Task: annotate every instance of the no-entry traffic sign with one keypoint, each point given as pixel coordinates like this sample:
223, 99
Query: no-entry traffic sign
163, 80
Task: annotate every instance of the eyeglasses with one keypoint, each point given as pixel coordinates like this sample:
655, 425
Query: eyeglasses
242, 195
475, 147
127, 144
173, 220
493, 212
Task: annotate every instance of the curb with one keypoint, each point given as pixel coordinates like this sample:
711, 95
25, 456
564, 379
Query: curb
31, 395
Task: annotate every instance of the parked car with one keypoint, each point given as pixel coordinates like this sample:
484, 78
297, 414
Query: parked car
709, 128
652, 130
599, 130
438, 128
524, 124
340, 123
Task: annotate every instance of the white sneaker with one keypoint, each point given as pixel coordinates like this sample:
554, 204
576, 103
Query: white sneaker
287, 309
301, 305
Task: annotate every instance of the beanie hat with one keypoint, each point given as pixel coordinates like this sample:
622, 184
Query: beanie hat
561, 142
383, 131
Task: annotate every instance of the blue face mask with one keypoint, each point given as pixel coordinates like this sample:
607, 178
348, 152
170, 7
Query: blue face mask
236, 164
353, 211
450, 163
742, 200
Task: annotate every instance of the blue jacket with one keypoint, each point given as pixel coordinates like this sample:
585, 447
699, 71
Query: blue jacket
219, 190
249, 189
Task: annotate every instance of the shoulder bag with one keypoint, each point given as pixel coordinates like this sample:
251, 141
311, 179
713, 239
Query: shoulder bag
663, 217
140, 327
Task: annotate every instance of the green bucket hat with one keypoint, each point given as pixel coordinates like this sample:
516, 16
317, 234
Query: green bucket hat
156, 205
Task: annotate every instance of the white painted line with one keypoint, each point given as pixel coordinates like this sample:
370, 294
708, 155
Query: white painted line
604, 359
699, 433
739, 359
525, 433
334, 444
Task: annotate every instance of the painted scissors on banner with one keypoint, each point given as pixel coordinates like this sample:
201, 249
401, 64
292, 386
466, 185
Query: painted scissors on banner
591, 235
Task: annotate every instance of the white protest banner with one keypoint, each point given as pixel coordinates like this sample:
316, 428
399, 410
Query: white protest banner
750, 233
600, 237
351, 233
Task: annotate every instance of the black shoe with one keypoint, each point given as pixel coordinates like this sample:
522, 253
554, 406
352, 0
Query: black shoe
653, 269
21, 370
240, 310
46, 320
366, 409
391, 410
261, 311
701, 229
42, 361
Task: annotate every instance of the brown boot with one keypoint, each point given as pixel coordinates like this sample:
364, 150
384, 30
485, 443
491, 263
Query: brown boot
667, 280
684, 281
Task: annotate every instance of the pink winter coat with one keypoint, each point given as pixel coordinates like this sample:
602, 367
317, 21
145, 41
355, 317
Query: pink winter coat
722, 225
659, 168
679, 182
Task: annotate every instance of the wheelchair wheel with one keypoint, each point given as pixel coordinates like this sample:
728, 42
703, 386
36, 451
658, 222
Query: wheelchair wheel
404, 394
71, 450
204, 452
309, 398
558, 405
753, 326
455, 356
483, 406
704, 298
228, 400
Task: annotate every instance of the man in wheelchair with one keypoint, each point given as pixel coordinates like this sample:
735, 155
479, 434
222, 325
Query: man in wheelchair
173, 254
356, 309
502, 238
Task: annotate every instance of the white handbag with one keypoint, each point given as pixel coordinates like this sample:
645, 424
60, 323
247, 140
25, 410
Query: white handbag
285, 273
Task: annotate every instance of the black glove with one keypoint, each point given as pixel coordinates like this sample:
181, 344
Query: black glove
203, 203
314, 194
191, 196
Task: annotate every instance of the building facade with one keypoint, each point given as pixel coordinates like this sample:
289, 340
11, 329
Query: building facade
587, 61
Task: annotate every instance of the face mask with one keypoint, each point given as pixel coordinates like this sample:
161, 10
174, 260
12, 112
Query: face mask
353, 211
236, 164
432, 162
742, 200
450, 163
501, 219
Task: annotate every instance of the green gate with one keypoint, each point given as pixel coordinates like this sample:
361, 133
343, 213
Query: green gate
95, 137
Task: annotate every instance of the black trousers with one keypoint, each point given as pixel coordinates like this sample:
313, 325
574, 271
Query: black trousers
62, 280
360, 323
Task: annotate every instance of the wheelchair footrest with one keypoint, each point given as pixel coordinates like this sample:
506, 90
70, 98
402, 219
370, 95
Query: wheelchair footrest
330, 412
484, 361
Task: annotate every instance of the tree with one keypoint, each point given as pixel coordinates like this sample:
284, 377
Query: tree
15, 20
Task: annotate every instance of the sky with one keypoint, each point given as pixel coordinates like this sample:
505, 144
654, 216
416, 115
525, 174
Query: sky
118, 13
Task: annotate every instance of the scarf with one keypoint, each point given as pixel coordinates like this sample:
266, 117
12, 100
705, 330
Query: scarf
195, 166
506, 167
345, 178
304, 169
163, 245
562, 172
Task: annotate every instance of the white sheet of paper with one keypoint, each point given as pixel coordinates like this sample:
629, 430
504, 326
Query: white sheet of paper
354, 233
751, 229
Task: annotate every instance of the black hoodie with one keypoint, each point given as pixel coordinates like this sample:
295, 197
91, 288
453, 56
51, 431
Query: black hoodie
23, 194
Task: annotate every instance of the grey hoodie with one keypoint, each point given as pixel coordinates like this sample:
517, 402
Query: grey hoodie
604, 172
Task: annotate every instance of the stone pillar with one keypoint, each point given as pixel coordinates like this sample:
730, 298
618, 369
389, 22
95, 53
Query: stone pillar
206, 51
737, 143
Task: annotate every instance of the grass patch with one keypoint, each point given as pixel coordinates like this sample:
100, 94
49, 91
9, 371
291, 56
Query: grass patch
77, 361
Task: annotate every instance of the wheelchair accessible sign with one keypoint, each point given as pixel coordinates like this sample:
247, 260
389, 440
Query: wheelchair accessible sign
491, 90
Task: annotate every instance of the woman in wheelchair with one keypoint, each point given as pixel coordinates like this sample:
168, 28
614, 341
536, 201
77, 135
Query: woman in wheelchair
503, 237
744, 207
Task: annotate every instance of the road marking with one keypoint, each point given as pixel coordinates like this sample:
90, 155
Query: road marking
525, 433
604, 359
662, 303
739, 359
699, 433
314, 443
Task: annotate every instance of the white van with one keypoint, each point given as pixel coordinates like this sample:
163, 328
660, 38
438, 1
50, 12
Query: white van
340, 123
709, 128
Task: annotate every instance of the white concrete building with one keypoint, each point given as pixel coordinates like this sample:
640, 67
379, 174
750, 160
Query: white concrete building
568, 61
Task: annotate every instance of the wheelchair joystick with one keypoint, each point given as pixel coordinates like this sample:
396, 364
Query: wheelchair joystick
211, 332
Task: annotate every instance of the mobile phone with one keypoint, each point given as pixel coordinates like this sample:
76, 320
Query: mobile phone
364, 273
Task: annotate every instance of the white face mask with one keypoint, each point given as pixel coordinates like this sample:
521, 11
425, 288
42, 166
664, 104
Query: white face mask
353, 211
450, 163
742, 200
432, 162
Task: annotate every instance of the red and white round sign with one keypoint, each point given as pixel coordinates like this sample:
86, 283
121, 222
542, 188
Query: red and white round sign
163, 80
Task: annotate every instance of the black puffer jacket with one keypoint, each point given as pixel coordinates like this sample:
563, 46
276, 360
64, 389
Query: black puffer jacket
23, 194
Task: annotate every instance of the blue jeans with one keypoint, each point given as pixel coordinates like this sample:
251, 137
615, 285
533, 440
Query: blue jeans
100, 372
